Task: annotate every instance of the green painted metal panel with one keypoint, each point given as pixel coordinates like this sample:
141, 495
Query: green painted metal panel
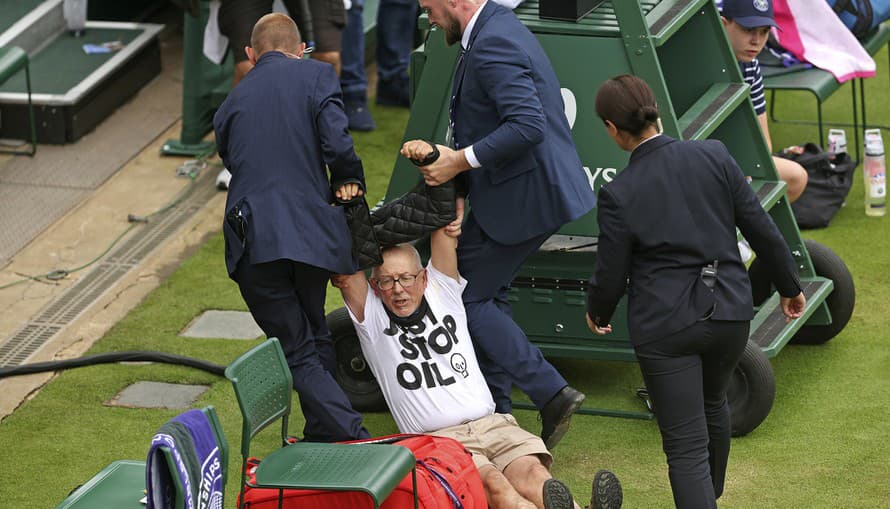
699, 88
63, 64
13, 10
120, 485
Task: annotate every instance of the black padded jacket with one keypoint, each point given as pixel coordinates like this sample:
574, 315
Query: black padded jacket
407, 218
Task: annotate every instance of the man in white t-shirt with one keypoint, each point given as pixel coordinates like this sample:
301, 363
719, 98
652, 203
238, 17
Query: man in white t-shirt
413, 332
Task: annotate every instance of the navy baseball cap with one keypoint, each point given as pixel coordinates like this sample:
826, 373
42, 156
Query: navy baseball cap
749, 13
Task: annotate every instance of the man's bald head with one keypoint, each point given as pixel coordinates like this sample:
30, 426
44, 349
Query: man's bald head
275, 32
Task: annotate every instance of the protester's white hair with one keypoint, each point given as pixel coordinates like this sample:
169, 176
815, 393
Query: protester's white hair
407, 249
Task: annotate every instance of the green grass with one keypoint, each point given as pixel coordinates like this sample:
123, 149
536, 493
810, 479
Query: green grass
823, 445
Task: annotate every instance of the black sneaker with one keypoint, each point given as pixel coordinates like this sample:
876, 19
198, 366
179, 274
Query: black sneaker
557, 495
556, 414
607, 492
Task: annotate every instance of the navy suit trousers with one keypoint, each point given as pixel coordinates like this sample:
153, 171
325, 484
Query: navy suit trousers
286, 299
505, 354
687, 374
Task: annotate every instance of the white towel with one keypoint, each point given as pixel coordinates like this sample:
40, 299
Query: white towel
215, 43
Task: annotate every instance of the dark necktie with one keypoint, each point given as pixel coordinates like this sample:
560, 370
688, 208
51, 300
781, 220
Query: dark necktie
458, 77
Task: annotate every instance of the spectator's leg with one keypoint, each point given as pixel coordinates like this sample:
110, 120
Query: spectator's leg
236, 20
328, 21
353, 79
396, 23
794, 176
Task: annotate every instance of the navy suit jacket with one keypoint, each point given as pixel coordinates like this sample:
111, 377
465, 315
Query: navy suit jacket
276, 132
508, 106
673, 210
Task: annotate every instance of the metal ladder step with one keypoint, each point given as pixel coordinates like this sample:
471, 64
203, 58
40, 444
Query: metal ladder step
666, 18
711, 109
768, 328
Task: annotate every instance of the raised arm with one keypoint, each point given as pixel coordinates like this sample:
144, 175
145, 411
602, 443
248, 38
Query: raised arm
443, 244
354, 288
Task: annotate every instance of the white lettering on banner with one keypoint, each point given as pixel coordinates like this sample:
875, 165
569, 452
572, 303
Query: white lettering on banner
209, 498
607, 175
180, 465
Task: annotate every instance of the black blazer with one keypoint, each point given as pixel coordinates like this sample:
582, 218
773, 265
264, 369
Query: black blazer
672, 211
280, 132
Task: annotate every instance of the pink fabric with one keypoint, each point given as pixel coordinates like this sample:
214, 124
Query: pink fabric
812, 32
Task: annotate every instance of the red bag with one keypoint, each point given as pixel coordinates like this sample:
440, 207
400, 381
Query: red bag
446, 479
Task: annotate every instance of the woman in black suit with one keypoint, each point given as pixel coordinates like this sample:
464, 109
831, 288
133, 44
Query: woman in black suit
668, 226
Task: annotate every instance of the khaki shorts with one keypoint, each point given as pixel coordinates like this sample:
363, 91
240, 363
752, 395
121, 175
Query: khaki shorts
497, 440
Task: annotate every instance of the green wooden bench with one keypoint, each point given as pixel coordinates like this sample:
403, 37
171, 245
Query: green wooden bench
12, 60
822, 84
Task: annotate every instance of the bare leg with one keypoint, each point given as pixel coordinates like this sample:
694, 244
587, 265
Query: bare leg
794, 175
528, 474
241, 69
331, 57
500, 493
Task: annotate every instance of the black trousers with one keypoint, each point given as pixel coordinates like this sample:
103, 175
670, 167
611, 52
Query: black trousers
286, 299
687, 374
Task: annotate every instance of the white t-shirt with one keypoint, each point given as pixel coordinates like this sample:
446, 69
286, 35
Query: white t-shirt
429, 375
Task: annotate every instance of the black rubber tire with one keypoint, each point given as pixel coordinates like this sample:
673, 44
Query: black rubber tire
751, 392
353, 373
840, 302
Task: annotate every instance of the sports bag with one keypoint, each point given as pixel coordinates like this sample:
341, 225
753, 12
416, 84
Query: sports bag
829, 179
447, 478
861, 16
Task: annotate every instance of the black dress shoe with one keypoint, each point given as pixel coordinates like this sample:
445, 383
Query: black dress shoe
557, 495
607, 492
556, 414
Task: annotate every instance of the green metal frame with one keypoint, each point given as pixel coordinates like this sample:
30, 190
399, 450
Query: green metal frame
680, 48
13, 59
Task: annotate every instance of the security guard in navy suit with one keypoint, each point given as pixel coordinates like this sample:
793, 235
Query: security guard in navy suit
514, 147
276, 132
668, 224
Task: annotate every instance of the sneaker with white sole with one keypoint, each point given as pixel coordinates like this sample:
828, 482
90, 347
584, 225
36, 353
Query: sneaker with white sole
222, 180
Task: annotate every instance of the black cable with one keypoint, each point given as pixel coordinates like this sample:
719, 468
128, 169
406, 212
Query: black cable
109, 357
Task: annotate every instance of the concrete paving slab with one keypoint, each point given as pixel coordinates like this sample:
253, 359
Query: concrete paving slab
223, 324
158, 395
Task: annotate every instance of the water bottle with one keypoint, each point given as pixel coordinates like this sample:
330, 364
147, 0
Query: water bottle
75, 13
837, 141
874, 171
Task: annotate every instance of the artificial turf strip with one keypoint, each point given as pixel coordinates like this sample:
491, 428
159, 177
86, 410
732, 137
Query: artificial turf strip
823, 445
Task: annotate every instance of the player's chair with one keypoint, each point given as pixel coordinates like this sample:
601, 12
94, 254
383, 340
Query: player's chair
263, 386
121, 484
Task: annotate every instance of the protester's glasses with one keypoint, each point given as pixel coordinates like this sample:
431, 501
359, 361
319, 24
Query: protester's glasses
387, 283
